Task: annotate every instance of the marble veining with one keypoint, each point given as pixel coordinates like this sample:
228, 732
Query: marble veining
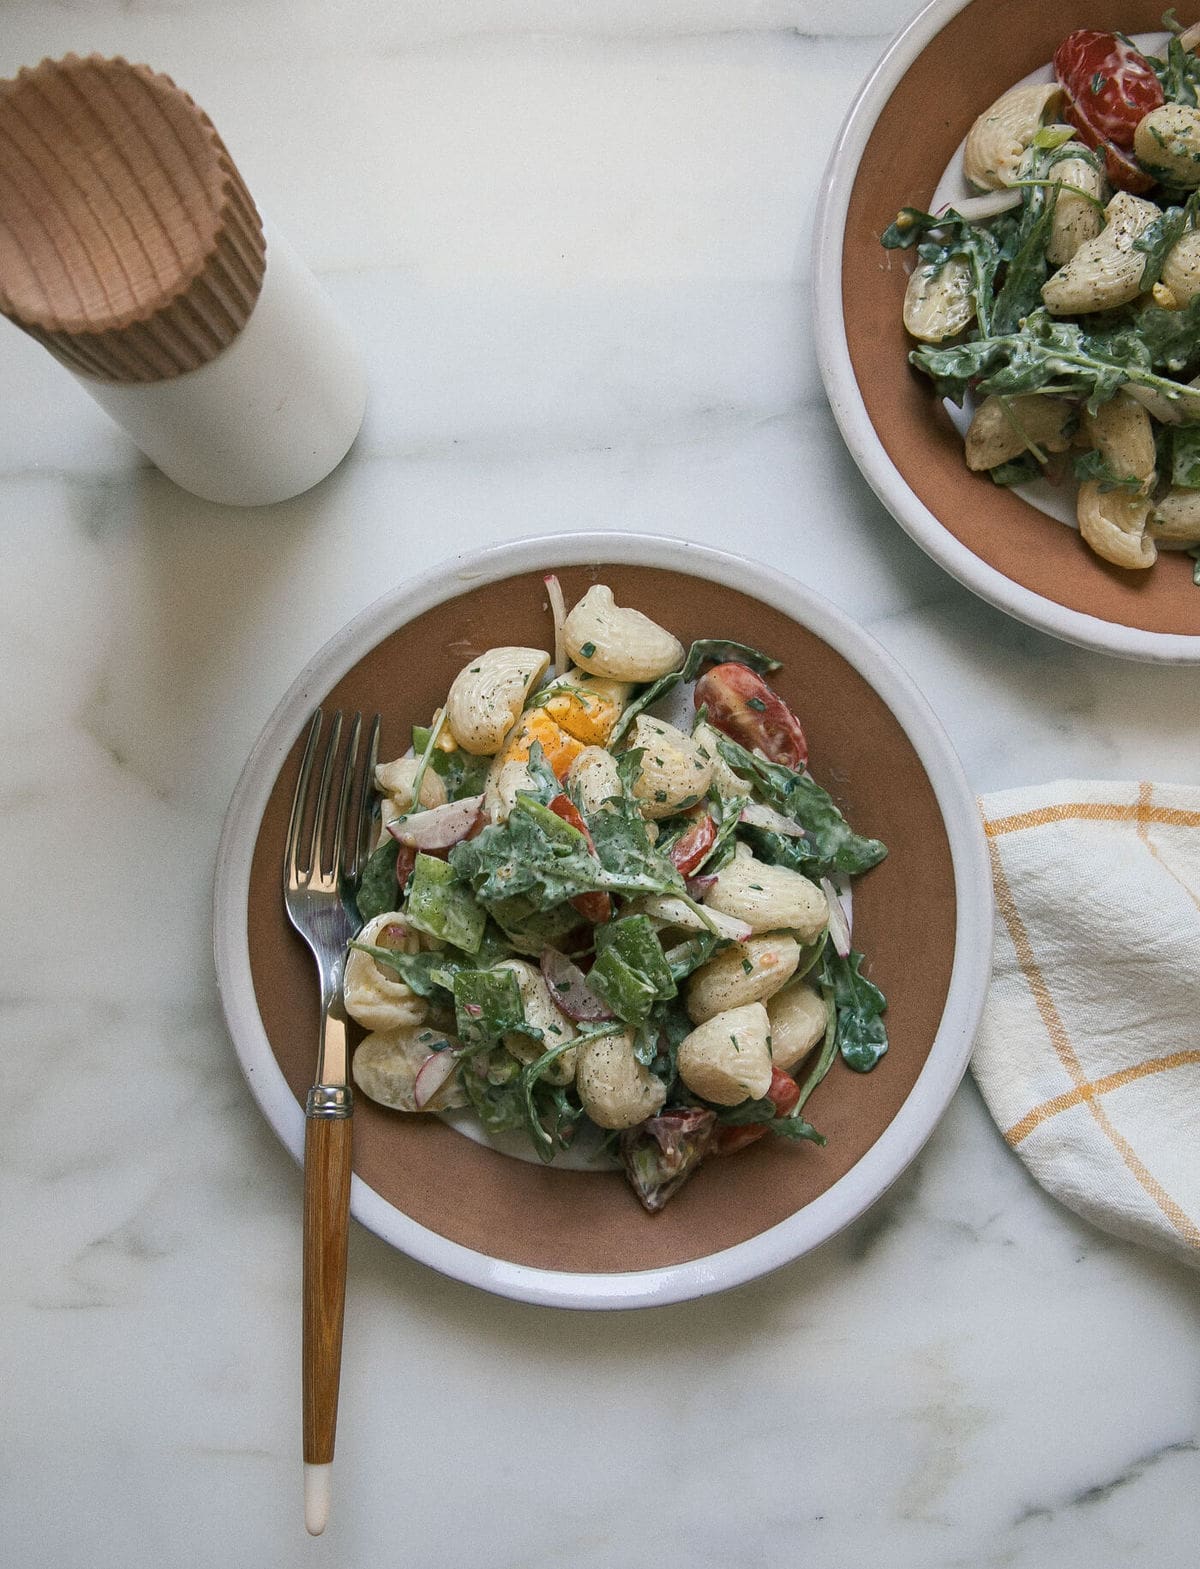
573, 240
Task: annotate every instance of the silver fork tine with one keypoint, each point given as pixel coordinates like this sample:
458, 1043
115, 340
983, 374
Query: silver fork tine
316, 864
299, 798
343, 806
361, 847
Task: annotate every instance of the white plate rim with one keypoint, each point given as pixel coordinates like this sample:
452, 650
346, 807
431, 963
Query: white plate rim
904, 1136
849, 410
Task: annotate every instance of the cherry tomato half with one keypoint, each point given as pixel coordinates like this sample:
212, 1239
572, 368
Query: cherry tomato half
595, 907
784, 1093
693, 845
1110, 86
743, 707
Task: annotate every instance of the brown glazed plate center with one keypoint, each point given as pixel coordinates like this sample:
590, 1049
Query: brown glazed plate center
904, 920
978, 53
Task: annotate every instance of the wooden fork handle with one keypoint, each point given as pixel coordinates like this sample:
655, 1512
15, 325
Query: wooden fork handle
327, 1143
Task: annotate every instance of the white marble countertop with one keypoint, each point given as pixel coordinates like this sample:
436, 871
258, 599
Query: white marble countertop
573, 236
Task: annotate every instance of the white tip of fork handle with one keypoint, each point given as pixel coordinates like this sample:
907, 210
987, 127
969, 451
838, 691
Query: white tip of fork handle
318, 1489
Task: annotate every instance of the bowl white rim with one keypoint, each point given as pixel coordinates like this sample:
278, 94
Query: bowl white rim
849, 410
948, 1054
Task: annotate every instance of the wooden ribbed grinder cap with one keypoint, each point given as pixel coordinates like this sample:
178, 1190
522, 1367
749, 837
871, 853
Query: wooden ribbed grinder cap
129, 244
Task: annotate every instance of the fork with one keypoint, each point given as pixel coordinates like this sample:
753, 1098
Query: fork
317, 893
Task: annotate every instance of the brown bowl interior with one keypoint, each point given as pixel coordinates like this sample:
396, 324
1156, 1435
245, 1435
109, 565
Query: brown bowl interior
904, 920
978, 55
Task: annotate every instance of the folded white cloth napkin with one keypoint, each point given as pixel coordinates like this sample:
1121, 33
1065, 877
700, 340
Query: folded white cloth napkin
1089, 1052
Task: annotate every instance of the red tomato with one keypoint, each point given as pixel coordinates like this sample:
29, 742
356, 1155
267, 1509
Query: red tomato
595, 907
693, 845
1109, 87
784, 1093
743, 706
727, 1141
563, 806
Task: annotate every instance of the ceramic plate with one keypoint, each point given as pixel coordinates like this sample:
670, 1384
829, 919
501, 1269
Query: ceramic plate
900, 138
580, 1238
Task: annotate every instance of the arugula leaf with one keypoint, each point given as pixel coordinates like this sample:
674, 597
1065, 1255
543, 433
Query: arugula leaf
530, 929
721, 651
487, 1006
423, 973
798, 855
752, 1113
1168, 340
558, 1111
378, 890
1059, 356
1091, 465
636, 940
548, 785
1178, 71
1159, 237
492, 1083
652, 694
548, 1141
670, 1019
461, 773
541, 858
795, 1128
439, 903
799, 797
536, 855
728, 814
1185, 456
629, 769
1028, 267
1018, 471
861, 1036
427, 973
829, 1050
632, 865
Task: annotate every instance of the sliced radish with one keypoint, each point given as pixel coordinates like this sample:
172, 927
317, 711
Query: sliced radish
760, 816
439, 827
674, 912
431, 1075
697, 887
839, 925
568, 987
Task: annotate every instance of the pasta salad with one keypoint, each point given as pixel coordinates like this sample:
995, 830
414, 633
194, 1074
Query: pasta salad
582, 917
1061, 304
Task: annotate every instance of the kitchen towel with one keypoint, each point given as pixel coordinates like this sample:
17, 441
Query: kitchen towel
1088, 1055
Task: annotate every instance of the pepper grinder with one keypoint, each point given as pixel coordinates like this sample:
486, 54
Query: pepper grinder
132, 250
